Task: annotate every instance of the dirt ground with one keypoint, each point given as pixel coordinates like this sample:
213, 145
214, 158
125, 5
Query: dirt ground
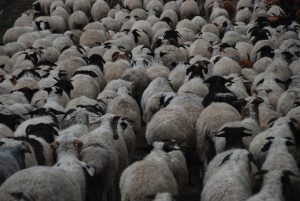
10, 10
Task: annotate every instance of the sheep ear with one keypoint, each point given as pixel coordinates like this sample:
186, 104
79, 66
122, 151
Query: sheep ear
114, 124
290, 143
25, 147
78, 144
257, 180
226, 158
88, 169
115, 56
288, 189
266, 146
54, 145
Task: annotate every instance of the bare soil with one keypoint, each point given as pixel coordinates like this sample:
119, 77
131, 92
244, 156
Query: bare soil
10, 10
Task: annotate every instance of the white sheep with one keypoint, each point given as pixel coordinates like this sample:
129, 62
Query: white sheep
12, 34
125, 106
99, 151
157, 85
209, 121
171, 122
232, 181
78, 20
150, 176
189, 9
82, 5
66, 178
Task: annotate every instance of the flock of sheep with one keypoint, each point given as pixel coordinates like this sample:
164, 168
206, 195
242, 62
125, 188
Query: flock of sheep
82, 80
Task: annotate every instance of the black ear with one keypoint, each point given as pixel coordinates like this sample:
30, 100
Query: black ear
260, 82
151, 197
251, 158
226, 158
48, 89
271, 122
267, 146
2, 143
161, 100
114, 124
288, 190
270, 138
97, 60
124, 125
258, 180
290, 143
66, 47
161, 54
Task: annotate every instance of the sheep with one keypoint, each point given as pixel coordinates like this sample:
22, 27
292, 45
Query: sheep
154, 7
243, 15
12, 34
27, 39
190, 103
157, 85
67, 174
194, 86
22, 95
56, 23
114, 70
218, 11
266, 113
145, 26
216, 163
82, 5
210, 121
126, 107
226, 183
61, 12
12, 158
84, 85
187, 34
200, 47
150, 176
78, 20
11, 48
218, 92
5, 131
269, 89
110, 24
159, 128
70, 65
139, 14
278, 156
114, 85
24, 20
287, 101
156, 102
276, 185
99, 151
125, 129
56, 93
189, 9
226, 66
61, 42
170, 17
237, 86
73, 51
95, 69
244, 48
132, 4
282, 127
177, 76
279, 68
